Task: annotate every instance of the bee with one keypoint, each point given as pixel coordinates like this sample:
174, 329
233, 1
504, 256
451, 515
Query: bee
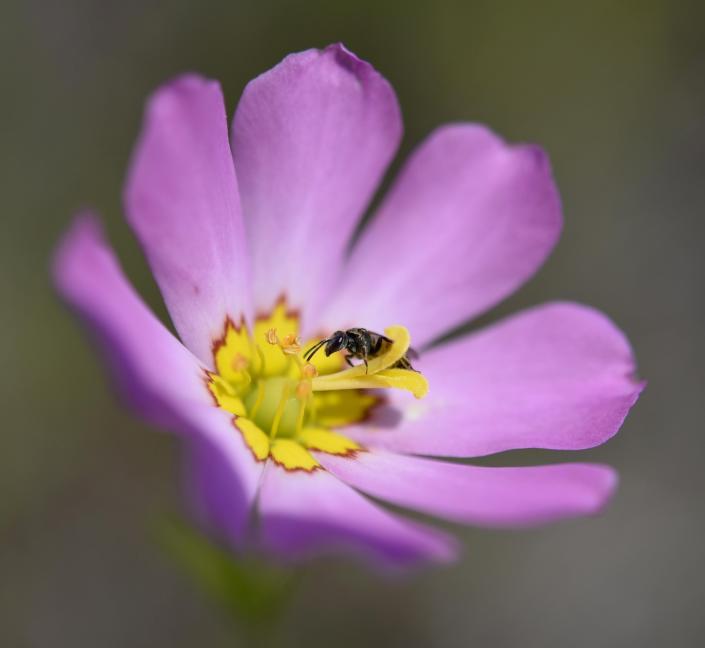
360, 344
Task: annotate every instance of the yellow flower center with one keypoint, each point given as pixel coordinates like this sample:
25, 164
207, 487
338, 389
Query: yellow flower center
286, 407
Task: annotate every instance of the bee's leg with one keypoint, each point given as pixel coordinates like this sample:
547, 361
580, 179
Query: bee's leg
364, 359
349, 361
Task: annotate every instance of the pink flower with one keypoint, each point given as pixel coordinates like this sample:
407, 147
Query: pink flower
247, 240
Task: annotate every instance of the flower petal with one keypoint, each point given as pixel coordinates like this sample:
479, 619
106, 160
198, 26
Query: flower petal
558, 376
222, 476
328, 441
311, 139
468, 220
182, 201
155, 372
158, 376
303, 514
292, 455
496, 497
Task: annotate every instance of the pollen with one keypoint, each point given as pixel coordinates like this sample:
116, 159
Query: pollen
291, 344
287, 409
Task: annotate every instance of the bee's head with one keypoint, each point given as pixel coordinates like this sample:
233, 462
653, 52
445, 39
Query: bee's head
336, 342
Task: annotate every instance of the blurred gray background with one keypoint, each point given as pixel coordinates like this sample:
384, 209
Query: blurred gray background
615, 91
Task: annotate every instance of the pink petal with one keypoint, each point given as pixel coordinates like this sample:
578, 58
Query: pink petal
222, 478
468, 220
496, 497
311, 140
182, 201
557, 376
303, 514
155, 371
158, 376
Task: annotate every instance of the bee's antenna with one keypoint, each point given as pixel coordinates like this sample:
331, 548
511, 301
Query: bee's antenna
314, 349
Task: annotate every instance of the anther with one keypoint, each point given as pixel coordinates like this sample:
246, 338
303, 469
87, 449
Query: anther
290, 344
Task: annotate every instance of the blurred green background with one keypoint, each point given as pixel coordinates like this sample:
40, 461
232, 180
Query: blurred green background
615, 91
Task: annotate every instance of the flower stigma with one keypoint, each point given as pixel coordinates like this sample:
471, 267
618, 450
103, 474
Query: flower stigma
285, 407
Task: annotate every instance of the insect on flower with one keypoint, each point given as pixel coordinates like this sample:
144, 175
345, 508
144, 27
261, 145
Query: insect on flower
361, 344
247, 234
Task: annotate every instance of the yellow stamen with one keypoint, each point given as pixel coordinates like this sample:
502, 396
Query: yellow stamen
380, 371
304, 389
300, 417
405, 379
309, 371
280, 411
291, 344
258, 399
287, 409
272, 336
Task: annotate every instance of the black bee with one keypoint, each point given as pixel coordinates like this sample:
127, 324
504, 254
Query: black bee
361, 344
